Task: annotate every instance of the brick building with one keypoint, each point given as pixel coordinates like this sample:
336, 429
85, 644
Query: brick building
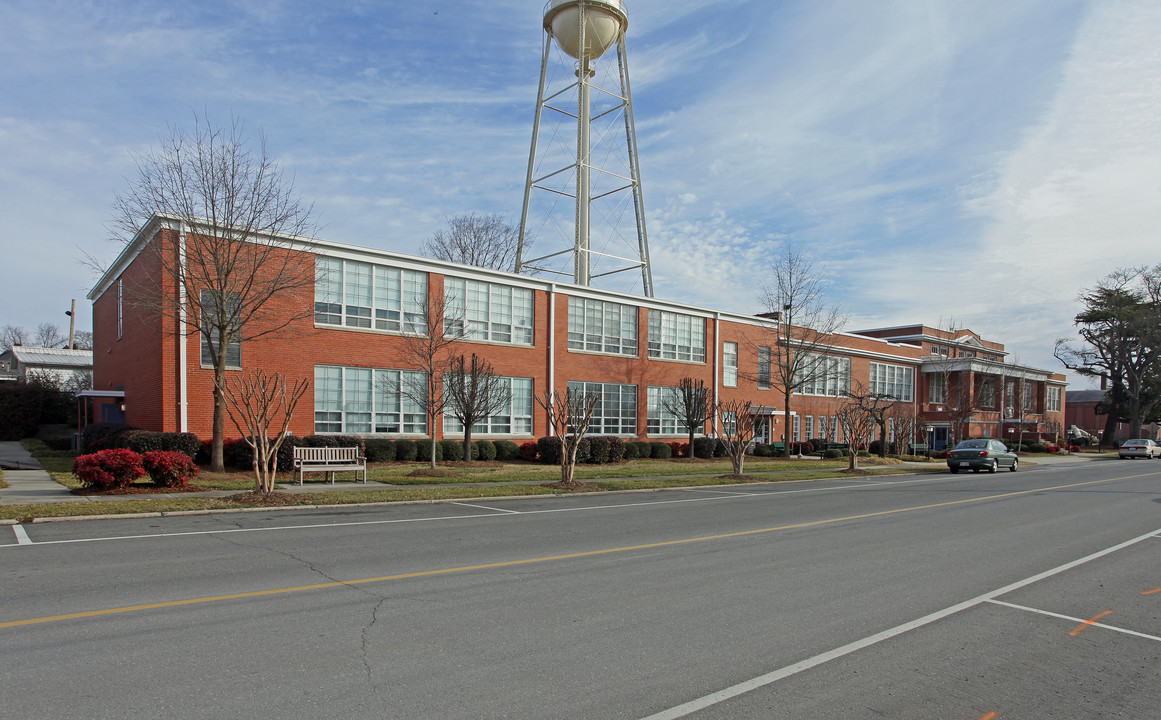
345, 334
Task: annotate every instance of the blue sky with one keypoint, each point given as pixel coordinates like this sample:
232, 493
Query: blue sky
978, 161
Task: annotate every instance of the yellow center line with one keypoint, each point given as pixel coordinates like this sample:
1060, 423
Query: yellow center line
1091, 621
545, 559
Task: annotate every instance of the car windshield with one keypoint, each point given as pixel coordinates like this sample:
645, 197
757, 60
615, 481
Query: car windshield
972, 445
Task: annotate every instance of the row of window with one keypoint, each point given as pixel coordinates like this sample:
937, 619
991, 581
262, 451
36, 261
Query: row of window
1017, 394
383, 401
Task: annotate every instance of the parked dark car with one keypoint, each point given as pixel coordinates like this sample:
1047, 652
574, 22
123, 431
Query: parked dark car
982, 454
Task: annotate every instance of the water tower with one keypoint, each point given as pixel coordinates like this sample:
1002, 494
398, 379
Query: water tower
603, 231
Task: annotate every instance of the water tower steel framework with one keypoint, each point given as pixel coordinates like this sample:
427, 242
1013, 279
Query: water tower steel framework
585, 30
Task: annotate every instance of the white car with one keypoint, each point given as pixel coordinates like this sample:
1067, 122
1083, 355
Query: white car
1139, 449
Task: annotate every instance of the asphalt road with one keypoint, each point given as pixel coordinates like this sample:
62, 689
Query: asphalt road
1034, 594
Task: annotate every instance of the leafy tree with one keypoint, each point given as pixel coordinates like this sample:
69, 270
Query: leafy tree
1120, 341
234, 209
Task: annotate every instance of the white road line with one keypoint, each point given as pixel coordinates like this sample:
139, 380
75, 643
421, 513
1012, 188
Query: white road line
701, 703
21, 535
492, 509
1080, 621
497, 513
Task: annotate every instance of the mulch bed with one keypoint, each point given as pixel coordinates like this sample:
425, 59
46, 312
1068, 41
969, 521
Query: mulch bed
140, 490
261, 499
741, 478
573, 486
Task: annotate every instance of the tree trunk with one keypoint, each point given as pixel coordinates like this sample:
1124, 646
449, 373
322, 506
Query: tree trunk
882, 438
217, 444
690, 454
786, 423
467, 443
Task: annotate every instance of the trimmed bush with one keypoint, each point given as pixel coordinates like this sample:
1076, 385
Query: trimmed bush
616, 449
106, 469
143, 441
506, 450
833, 454
703, 447
169, 468
764, 450
644, 449
450, 450
1038, 448
406, 450
598, 450
721, 449
423, 450
864, 453
660, 451
548, 450
584, 450
630, 450
484, 450
380, 450
97, 435
528, 450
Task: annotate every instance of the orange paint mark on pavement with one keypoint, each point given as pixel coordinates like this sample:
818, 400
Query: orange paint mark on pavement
989, 716
1150, 592
1080, 628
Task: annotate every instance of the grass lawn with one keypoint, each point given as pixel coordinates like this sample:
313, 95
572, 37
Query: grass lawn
413, 481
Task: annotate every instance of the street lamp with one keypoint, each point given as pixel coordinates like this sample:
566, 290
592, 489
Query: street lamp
930, 439
1011, 437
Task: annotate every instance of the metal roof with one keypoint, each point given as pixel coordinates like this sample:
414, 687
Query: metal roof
53, 357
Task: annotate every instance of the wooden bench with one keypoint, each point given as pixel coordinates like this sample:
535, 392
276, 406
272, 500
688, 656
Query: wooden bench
329, 460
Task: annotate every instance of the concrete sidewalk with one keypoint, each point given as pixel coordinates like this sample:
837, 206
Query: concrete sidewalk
29, 483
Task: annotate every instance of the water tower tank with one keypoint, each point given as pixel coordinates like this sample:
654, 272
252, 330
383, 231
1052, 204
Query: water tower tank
605, 20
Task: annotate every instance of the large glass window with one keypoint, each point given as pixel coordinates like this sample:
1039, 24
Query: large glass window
362, 295
210, 343
763, 368
1053, 400
824, 375
516, 419
987, 392
935, 388
730, 364
366, 400
676, 337
488, 311
601, 326
616, 410
893, 380
660, 420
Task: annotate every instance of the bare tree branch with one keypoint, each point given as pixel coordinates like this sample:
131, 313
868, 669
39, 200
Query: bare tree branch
482, 240
222, 277
569, 417
474, 392
690, 402
258, 402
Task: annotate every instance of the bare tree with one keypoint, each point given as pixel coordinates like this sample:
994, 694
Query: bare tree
474, 392
738, 427
857, 413
807, 323
235, 209
904, 424
48, 335
12, 335
256, 403
482, 240
568, 416
690, 402
429, 350
83, 340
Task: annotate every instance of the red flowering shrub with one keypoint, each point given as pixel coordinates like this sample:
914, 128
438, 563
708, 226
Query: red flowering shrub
107, 469
169, 468
528, 451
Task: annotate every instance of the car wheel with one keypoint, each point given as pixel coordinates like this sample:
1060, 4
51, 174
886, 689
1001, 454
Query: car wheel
994, 467
975, 470
953, 470
1015, 465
